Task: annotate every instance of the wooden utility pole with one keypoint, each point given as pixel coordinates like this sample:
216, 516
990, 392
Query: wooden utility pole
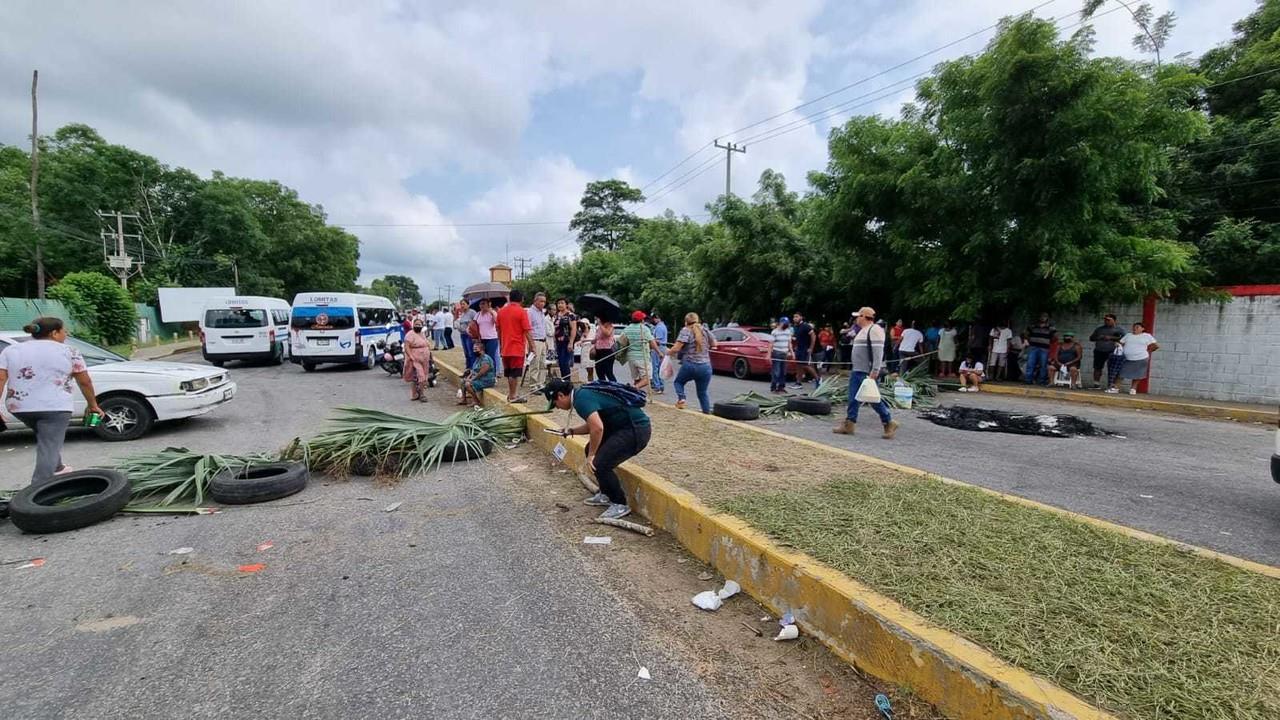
35, 179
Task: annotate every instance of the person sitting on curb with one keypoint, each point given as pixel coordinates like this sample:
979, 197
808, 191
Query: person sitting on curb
971, 372
479, 378
618, 431
867, 362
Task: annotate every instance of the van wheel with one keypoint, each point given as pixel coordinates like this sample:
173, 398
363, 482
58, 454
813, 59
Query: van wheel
277, 357
309, 366
371, 359
217, 363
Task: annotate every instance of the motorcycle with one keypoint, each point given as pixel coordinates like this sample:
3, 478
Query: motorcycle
391, 359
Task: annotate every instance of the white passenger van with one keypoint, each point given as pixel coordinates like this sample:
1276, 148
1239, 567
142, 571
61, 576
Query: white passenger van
245, 328
340, 328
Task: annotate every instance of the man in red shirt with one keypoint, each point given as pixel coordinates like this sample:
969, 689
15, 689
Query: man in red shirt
515, 338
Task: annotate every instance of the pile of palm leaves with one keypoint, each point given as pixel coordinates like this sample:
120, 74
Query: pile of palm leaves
176, 480
771, 406
924, 386
392, 444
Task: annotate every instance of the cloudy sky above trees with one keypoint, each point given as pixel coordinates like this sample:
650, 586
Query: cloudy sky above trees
447, 114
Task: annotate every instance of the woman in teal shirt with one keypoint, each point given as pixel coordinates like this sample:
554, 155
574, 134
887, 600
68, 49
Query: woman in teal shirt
480, 377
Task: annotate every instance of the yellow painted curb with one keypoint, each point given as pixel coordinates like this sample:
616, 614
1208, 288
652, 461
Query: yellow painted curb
1138, 402
877, 634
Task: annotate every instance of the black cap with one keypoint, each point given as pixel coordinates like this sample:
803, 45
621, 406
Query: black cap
554, 387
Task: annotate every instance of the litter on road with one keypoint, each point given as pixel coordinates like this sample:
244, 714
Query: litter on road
182, 551
33, 563
392, 507
255, 567
262, 547
713, 599
627, 525
597, 540
644, 673
789, 632
705, 576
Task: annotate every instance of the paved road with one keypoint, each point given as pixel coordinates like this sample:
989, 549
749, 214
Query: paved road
1204, 482
458, 605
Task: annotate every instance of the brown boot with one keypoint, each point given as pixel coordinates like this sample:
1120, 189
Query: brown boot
890, 429
844, 428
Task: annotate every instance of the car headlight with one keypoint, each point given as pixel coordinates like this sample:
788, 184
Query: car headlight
194, 385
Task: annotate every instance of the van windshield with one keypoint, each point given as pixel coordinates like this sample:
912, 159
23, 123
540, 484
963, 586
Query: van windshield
322, 318
227, 318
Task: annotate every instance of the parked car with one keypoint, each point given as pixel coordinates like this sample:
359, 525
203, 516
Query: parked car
134, 394
744, 351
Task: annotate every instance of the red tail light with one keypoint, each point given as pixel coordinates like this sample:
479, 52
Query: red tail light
271, 335
202, 337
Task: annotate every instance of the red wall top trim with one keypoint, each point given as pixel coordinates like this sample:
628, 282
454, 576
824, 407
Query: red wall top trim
1250, 290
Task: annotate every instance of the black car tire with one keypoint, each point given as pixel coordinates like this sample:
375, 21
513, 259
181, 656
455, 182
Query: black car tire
99, 495
1275, 467
258, 483
124, 417
308, 366
277, 356
809, 405
217, 363
460, 452
736, 410
364, 466
741, 368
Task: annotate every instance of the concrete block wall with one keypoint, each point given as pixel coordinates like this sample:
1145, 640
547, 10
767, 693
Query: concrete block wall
1216, 351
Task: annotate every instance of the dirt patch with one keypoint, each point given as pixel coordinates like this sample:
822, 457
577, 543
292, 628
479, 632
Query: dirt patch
733, 647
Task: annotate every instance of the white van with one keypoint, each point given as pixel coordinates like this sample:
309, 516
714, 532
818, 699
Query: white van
340, 328
245, 328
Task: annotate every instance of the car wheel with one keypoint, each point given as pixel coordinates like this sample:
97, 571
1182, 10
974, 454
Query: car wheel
370, 359
741, 369
123, 418
809, 405
736, 410
309, 366
277, 357
257, 483
67, 502
1275, 467
217, 363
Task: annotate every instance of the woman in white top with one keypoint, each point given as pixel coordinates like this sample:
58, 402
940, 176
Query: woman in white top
1137, 347
971, 374
37, 376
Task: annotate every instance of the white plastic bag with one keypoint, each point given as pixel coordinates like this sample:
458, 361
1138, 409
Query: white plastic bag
708, 600
667, 371
868, 392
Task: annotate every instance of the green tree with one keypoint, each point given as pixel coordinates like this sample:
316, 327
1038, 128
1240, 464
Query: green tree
399, 289
603, 223
99, 305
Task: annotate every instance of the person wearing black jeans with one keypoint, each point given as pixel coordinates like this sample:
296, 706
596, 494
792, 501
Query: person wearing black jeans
617, 433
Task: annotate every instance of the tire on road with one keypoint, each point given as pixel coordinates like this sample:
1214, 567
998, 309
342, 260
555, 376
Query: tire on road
364, 466
98, 494
258, 483
308, 366
461, 452
124, 417
809, 405
736, 410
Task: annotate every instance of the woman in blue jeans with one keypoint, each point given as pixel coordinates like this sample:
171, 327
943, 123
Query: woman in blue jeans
696, 344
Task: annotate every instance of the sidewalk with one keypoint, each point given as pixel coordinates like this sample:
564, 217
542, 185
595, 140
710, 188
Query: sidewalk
1240, 412
155, 352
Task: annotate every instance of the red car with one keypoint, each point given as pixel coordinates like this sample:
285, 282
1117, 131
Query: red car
743, 351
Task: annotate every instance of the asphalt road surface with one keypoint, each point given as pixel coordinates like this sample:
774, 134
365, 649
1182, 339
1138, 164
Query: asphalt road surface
1205, 482
459, 604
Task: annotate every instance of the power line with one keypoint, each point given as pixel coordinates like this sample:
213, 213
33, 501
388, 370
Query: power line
1241, 79
1237, 147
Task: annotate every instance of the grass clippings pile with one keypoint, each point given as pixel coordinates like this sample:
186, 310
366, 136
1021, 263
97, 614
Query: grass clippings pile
1146, 630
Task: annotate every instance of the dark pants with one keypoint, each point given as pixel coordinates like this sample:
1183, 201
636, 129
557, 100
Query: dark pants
448, 338
564, 359
617, 447
700, 374
908, 360
778, 371
604, 366
881, 408
467, 353
51, 430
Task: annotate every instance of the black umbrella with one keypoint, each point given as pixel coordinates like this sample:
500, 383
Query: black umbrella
602, 307
489, 290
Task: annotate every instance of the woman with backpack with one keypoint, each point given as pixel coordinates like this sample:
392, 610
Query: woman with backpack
696, 344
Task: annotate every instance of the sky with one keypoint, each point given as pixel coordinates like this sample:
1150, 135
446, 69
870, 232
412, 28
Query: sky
418, 125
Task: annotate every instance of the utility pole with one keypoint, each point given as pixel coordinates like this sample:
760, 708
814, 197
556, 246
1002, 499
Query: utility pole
118, 257
520, 263
35, 196
447, 290
729, 150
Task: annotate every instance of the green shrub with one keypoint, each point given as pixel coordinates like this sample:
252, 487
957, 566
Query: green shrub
102, 308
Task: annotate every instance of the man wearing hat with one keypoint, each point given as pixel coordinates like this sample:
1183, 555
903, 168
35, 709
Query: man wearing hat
867, 362
617, 431
639, 343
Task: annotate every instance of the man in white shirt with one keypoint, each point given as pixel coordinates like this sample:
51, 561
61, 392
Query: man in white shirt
444, 321
999, 351
782, 349
535, 372
909, 347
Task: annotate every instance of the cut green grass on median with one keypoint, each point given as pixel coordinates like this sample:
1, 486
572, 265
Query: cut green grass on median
1146, 630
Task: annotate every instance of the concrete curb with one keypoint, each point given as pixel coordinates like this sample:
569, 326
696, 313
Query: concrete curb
878, 635
164, 351
1138, 402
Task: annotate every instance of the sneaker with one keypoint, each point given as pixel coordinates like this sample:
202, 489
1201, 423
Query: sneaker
1132, 391
796, 386
973, 389
962, 389
680, 404
1112, 391
599, 500
615, 511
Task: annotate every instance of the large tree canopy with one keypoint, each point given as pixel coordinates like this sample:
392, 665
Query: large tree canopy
603, 223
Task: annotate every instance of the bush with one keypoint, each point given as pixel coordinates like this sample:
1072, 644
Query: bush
99, 305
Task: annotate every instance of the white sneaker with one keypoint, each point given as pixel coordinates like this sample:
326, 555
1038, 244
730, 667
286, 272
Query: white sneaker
615, 511
962, 389
599, 500
973, 389
1132, 391
1111, 391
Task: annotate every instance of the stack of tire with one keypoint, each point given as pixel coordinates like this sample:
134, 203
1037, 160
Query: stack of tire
84, 497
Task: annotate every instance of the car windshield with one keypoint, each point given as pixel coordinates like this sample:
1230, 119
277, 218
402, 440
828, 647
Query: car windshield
227, 318
93, 355
323, 318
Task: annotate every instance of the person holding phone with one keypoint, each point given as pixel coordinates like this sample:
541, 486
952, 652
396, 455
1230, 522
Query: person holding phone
37, 377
